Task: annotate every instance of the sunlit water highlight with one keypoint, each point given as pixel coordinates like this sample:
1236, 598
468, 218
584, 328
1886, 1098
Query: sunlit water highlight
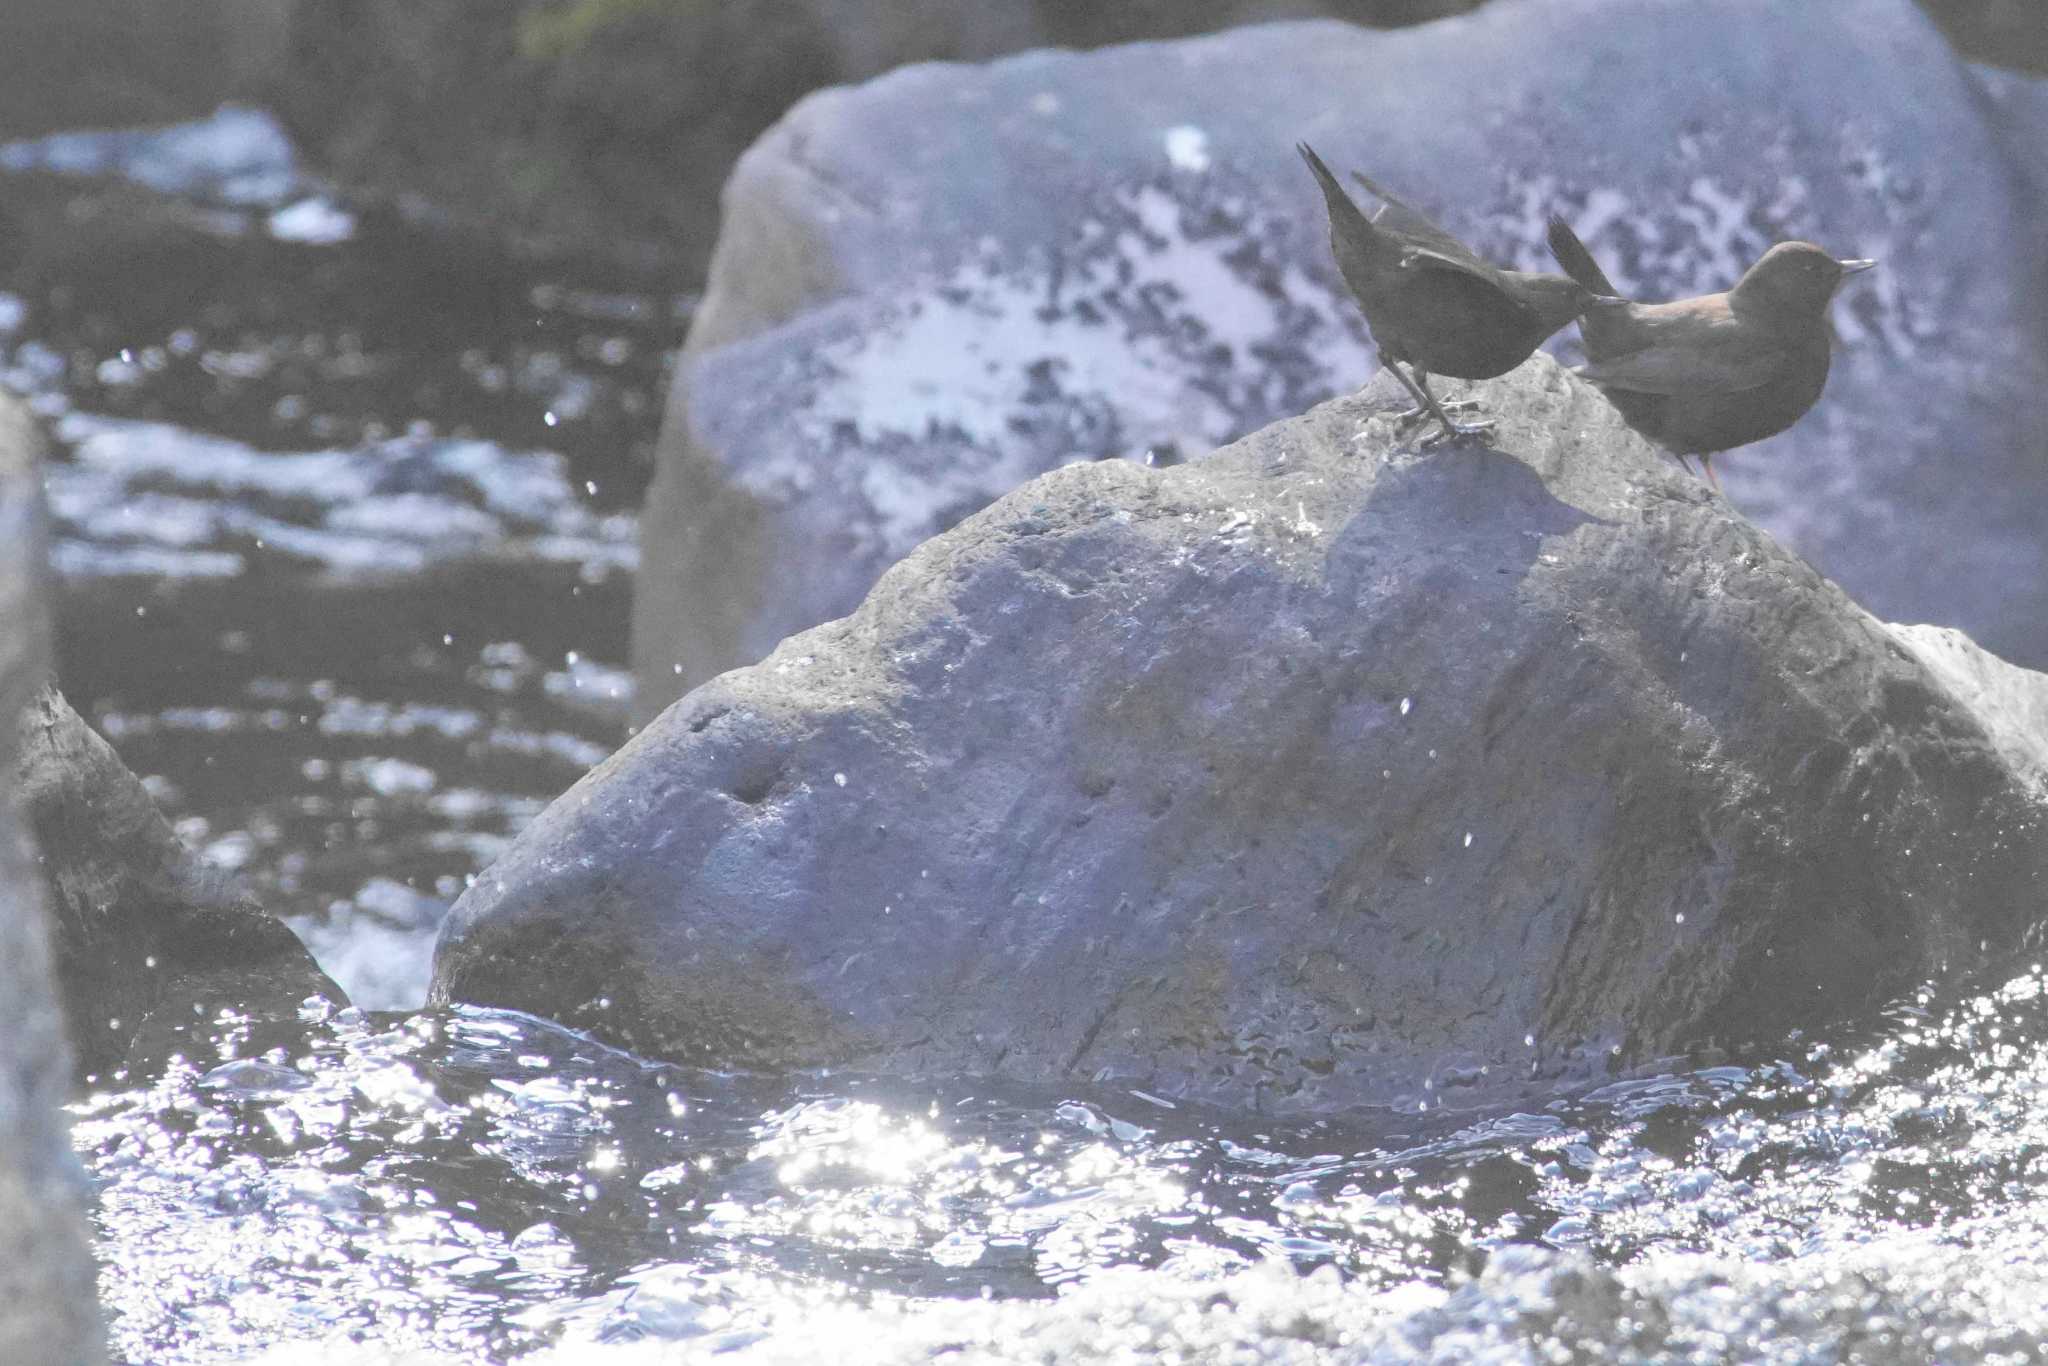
479, 1186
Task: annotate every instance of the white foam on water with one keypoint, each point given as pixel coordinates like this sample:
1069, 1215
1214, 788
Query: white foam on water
586, 683
134, 492
1187, 147
377, 945
315, 222
75, 559
238, 156
388, 777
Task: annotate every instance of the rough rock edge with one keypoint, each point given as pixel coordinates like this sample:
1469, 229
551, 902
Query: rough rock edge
48, 1311
135, 911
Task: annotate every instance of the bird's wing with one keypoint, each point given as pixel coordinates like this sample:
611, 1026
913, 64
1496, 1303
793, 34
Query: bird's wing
1415, 257
1692, 356
1423, 236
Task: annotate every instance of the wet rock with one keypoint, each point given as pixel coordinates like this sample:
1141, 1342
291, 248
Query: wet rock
141, 923
1312, 775
951, 279
2011, 33
46, 1275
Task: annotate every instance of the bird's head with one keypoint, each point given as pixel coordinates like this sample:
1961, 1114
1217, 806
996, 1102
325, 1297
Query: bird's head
1793, 279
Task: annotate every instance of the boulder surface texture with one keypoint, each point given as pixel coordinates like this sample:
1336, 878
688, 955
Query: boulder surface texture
47, 1308
939, 284
1319, 773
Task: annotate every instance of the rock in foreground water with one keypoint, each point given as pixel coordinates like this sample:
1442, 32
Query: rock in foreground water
141, 922
47, 1311
935, 286
1320, 773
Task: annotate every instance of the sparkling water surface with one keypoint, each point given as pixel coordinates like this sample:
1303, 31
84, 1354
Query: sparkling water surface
482, 1186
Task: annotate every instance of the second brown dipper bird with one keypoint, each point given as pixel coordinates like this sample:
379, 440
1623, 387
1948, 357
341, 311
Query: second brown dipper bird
1722, 370
1431, 302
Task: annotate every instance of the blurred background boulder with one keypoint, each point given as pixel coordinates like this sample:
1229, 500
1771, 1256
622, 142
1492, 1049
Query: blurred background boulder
114, 63
2009, 33
940, 283
600, 127
613, 122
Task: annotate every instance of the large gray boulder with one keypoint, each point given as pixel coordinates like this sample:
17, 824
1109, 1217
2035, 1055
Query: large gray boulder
1315, 774
938, 284
47, 1311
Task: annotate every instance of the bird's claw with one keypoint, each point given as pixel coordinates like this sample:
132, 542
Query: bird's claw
1450, 405
1451, 430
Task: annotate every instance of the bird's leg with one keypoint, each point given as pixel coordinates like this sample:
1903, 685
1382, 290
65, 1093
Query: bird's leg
1449, 405
1426, 404
1707, 464
1431, 408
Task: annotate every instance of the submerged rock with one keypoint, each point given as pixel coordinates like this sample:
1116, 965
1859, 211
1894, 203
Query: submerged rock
1316, 774
47, 1311
140, 919
935, 286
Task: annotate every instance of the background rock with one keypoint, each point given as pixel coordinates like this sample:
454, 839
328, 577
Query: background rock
950, 279
2010, 33
1312, 775
607, 125
112, 63
139, 919
46, 1274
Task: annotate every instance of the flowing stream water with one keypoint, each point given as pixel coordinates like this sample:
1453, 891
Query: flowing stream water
344, 535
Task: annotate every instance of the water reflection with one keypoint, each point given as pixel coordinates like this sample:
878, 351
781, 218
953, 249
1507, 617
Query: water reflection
483, 1184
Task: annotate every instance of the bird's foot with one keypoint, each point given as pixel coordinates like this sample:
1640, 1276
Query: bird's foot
1414, 415
1447, 430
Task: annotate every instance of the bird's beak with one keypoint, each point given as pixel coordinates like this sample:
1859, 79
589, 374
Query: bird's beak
1853, 267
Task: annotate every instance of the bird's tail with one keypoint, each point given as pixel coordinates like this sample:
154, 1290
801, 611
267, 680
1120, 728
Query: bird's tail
1578, 263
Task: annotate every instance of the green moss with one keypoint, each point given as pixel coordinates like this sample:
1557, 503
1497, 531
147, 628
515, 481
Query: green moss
562, 30
533, 173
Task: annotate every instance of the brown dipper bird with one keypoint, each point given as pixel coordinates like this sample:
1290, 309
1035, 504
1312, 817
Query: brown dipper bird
1431, 302
1718, 371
